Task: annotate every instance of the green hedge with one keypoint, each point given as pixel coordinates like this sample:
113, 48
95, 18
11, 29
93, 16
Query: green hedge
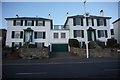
74, 43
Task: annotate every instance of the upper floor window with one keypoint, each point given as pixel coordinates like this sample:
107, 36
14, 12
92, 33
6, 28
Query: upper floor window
63, 35
55, 35
17, 22
39, 35
40, 23
77, 21
17, 34
102, 33
78, 33
90, 22
101, 22
29, 22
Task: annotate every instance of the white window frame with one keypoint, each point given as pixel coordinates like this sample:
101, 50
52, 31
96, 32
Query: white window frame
17, 34
79, 33
55, 35
63, 35
29, 23
40, 23
101, 22
39, 35
90, 22
18, 23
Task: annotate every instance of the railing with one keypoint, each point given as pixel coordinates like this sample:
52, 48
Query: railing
59, 27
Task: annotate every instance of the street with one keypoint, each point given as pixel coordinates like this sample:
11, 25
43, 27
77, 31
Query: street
107, 69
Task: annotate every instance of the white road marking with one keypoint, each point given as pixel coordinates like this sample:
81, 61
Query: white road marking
30, 73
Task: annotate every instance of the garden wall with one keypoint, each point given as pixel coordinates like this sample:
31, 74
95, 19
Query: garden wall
31, 53
107, 52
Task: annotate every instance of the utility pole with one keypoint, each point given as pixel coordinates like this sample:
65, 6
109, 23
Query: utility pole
87, 53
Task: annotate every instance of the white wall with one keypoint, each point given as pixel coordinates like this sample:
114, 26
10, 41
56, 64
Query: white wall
84, 27
11, 28
116, 27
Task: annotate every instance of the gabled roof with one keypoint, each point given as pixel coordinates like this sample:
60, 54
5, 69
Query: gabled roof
27, 18
116, 20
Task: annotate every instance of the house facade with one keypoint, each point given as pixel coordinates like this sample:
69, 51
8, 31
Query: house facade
116, 27
31, 30
42, 32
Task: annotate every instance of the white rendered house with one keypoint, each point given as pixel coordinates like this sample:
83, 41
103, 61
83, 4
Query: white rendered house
41, 32
34, 30
116, 28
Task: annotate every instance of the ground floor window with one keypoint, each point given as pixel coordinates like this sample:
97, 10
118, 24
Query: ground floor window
78, 33
102, 33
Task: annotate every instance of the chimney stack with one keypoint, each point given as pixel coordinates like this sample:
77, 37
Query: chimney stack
101, 13
17, 15
49, 16
67, 14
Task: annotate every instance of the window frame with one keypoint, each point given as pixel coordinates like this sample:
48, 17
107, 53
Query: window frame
63, 35
55, 34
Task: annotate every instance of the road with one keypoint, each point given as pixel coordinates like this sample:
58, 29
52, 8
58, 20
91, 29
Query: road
107, 69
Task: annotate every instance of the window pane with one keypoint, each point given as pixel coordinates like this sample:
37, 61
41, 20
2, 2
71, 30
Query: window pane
101, 22
18, 23
62, 35
55, 35
90, 22
102, 33
78, 21
17, 34
29, 23
39, 34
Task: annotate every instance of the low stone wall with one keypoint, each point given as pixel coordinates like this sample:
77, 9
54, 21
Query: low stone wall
32, 53
95, 52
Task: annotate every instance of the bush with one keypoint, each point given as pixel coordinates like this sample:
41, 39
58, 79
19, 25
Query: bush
74, 43
111, 43
100, 43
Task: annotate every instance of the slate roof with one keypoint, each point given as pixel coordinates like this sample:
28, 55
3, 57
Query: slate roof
27, 18
116, 20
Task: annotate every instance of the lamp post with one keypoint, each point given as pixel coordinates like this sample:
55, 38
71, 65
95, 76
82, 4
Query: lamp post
87, 53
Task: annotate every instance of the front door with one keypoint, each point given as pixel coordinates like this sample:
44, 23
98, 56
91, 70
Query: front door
91, 34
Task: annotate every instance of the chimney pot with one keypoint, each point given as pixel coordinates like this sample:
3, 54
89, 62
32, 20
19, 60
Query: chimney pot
17, 15
101, 13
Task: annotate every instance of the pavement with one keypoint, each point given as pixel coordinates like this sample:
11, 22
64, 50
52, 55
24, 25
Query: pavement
59, 58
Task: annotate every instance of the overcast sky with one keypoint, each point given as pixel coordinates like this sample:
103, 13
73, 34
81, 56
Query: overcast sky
57, 10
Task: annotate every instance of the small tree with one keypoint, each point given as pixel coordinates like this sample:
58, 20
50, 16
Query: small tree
73, 43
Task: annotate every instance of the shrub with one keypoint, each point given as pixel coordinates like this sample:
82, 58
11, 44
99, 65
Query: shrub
100, 43
73, 43
111, 43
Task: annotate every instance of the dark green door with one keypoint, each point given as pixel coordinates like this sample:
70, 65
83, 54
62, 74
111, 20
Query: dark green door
59, 47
